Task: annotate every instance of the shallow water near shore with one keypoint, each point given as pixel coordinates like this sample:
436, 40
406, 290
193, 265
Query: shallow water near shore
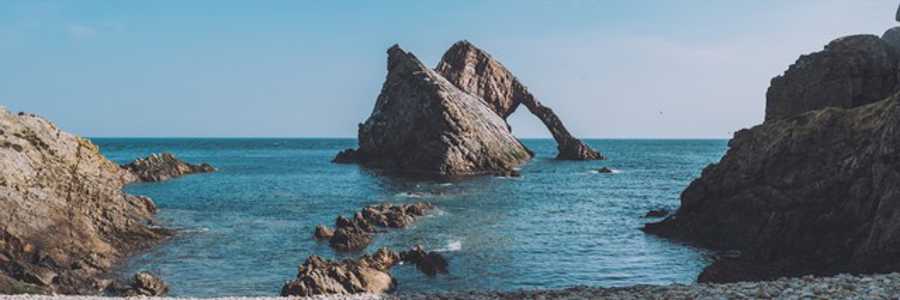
246, 228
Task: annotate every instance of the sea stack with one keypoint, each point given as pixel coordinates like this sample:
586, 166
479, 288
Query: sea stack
474, 71
423, 124
815, 189
64, 220
165, 166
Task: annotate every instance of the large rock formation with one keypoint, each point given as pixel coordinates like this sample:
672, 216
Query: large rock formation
423, 124
851, 71
64, 220
473, 70
817, 193
160, 167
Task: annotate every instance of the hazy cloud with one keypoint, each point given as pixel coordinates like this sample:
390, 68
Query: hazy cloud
79, 32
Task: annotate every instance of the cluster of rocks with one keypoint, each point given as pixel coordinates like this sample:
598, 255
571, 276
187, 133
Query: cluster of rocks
452, 121
367, 274
815, 189
165, 166
142, 284
886, 286
354, 234
65, 221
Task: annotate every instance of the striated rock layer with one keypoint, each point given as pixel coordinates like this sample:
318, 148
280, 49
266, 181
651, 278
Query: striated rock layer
423, 124
816, 193
64, 220
161, 167
474, 71
849, 72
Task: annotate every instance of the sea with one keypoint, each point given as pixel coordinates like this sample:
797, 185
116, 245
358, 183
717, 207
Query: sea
244, 230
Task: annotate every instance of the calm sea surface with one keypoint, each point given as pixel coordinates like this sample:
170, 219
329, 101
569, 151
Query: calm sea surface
245, 229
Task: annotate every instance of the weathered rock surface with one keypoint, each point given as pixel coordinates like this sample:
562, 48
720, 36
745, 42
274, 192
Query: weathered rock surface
816, 193
64, 220
354, 234
657, 213
474, 71
144, 284
165, 166
369, 274
850, 72
422, 124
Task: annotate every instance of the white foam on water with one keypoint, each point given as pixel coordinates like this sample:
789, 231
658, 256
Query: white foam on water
452, 245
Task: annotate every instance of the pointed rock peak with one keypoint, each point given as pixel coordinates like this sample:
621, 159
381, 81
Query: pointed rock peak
398, 56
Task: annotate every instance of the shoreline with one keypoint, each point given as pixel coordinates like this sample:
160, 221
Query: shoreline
842, 286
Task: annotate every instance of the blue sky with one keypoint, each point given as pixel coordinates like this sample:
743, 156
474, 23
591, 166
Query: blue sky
611, 69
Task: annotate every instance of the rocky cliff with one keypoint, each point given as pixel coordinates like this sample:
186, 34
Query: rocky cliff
474, 71
64, 220
816, 188
423, 124
849, 72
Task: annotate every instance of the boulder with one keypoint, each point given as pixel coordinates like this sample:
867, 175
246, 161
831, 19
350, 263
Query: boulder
849, 72
474, 71
430, 263
368, 274
146, 284
424, 125
64, 220
604, 170
323, 232
350, 239
160, 167
817, 193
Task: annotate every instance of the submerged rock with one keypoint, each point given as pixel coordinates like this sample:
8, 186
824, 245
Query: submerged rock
422, 124
354, 234
64, 220
369, 274
850, 72
817, 193
474, 71
605, 170
160, 167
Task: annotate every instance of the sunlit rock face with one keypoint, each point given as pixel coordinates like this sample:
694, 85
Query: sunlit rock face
473, 70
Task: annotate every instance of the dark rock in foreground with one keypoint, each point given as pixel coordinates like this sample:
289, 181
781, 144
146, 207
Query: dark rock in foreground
64, 220
817, 193
604, 170
430, 263
354, 234
160, 167
474, 71
422, 124
850, 72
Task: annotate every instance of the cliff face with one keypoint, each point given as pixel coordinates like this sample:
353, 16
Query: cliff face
815, 189
424, 124
64, 219
474, 71
851, 71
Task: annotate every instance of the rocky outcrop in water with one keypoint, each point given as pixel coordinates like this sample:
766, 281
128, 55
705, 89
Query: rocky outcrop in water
141, 284
817, 193
368, 274
422, 124
64, 220
474, 71
354, 234
850, 72
165, 166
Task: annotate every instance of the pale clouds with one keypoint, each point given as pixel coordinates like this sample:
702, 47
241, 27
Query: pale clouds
79, 32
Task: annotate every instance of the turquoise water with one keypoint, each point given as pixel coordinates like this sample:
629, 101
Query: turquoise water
245, 229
